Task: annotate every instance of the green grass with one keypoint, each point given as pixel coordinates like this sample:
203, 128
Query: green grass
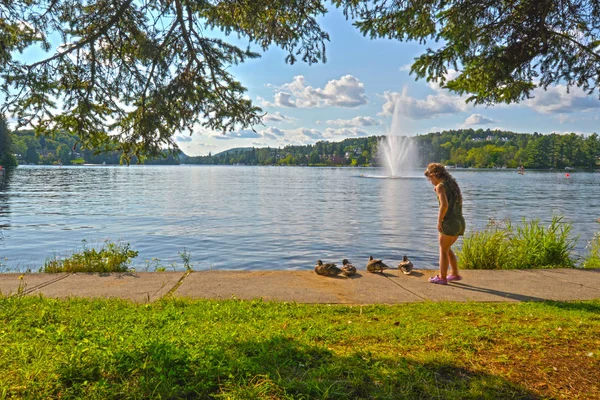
112, 257
113, 349
525, 246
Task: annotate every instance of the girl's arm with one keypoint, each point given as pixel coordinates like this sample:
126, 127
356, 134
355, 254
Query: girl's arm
441, 193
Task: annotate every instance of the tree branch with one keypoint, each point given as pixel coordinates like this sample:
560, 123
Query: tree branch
581, 45
114, 19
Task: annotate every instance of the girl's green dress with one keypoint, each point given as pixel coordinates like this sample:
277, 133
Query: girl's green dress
453, 223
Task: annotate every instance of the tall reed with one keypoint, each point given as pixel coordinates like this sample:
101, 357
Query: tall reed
486, 249
525, 246
536, 246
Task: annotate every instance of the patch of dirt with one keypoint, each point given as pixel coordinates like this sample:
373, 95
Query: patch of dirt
563, 371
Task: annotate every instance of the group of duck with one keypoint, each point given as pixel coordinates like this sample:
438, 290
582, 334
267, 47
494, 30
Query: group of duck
373, 266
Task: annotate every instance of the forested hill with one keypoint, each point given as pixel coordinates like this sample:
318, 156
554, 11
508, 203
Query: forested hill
464, 147
60, 149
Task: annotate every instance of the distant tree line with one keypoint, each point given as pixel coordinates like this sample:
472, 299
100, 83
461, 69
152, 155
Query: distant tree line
61, 148
489, 149
464, 147
352, 152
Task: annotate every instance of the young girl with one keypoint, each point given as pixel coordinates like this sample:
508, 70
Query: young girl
450, 224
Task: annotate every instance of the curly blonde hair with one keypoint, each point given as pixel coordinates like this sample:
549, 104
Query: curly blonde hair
439, 171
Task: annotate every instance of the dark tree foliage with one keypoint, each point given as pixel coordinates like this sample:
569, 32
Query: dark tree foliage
502, 49
48, 150
128, 74
6, 157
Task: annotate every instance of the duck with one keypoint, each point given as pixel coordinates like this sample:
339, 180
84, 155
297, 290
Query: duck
327, 269
376, 265
406, 266
348, 269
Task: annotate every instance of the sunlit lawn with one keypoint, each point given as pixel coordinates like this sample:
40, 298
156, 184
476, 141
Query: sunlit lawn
102, 349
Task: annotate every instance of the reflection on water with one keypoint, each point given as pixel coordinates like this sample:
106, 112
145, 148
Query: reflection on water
267, 217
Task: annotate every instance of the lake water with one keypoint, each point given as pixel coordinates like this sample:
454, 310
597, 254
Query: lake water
231, 217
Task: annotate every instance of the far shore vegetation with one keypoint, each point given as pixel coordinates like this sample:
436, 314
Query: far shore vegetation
468, 148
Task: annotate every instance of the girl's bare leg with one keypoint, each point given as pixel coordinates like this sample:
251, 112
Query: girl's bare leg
445, 243
453, 262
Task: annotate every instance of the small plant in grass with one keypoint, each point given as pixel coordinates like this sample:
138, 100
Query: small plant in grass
155, 264
592, 259
22, 286
530, 245
186, 256
112, 257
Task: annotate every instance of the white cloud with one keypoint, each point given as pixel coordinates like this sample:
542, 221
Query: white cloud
181, 138
440, 103
201, 131
347, 91
354, 122
344, 133
283, 99
478, 119
405, 68
297, 136
243, 134
308, 133
272, 133
277, 117
556, 100
302, 135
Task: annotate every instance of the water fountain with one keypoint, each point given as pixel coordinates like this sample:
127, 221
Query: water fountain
398, 154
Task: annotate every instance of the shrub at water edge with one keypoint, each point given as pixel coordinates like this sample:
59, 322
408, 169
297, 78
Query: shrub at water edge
533, 246
530, 245
111, 257
485, 249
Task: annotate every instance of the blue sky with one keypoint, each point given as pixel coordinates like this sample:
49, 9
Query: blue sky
356, 92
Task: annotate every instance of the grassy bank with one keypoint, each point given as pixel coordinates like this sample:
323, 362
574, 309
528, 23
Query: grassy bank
103, 349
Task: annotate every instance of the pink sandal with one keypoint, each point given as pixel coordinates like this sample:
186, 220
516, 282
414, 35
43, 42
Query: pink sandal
438, 280
454, 278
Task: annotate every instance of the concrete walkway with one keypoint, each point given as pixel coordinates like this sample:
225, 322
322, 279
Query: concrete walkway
307, 287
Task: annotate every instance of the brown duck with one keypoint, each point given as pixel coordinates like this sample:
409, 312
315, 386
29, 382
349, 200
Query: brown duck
348, 269
376, 265
327, 269
406, 266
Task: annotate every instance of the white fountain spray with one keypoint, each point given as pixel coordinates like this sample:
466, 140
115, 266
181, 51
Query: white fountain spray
398, 154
